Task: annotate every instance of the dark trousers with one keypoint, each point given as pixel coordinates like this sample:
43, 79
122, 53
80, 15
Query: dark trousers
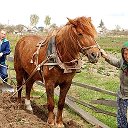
3, 72
122, 105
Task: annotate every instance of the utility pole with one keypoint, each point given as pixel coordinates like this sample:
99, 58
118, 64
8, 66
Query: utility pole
8, 22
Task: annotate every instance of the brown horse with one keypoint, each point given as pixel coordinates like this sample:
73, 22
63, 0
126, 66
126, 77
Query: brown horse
54, 61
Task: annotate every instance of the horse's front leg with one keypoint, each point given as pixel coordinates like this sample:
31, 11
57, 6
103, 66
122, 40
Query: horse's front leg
63, 92
50, 102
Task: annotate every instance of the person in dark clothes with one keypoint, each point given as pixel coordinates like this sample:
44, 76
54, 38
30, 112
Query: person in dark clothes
122, 95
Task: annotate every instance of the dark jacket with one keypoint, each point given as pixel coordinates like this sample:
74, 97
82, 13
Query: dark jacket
5, 49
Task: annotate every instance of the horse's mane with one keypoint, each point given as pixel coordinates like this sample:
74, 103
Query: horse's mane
67, 49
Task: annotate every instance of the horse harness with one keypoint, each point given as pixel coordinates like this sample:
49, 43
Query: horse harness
53, 58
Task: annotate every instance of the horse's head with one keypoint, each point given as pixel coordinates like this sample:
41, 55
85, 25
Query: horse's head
85, 33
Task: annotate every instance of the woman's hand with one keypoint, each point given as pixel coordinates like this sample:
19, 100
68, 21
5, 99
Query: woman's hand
103, 53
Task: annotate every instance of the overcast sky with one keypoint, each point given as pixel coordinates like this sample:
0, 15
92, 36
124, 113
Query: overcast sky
112, 12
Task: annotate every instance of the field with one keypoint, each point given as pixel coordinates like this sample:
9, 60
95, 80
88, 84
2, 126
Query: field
101, 75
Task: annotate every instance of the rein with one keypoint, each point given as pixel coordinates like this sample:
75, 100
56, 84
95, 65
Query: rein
84, 49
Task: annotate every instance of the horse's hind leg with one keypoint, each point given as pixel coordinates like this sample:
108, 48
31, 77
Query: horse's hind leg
19, 78
63, 92
29, 85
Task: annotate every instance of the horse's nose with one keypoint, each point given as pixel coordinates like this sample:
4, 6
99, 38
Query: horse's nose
94, 55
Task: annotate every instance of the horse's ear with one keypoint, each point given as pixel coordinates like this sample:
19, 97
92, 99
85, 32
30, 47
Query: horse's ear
89, 18
72, 21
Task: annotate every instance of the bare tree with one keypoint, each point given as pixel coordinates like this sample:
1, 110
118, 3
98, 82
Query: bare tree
10, 28
1, 26
34, 20
19, 28
47, 20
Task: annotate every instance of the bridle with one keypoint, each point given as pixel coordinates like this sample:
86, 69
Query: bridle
84, 49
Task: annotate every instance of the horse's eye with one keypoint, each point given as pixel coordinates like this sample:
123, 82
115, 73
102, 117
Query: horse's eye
80, 35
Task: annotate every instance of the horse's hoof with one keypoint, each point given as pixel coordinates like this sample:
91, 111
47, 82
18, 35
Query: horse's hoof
51, 124
61, 125
29, 111
29, 108
51, 119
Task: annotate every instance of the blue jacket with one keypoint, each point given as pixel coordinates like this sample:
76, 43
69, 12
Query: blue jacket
5, 49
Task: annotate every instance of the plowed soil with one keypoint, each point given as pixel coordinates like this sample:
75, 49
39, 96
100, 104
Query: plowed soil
14, 116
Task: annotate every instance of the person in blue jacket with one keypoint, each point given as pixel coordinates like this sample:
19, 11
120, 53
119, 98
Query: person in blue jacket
4, 51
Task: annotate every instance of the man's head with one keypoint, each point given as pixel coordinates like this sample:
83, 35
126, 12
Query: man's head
2, 34
124, 51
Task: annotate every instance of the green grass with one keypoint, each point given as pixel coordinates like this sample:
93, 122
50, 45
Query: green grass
112, 44
87, 95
